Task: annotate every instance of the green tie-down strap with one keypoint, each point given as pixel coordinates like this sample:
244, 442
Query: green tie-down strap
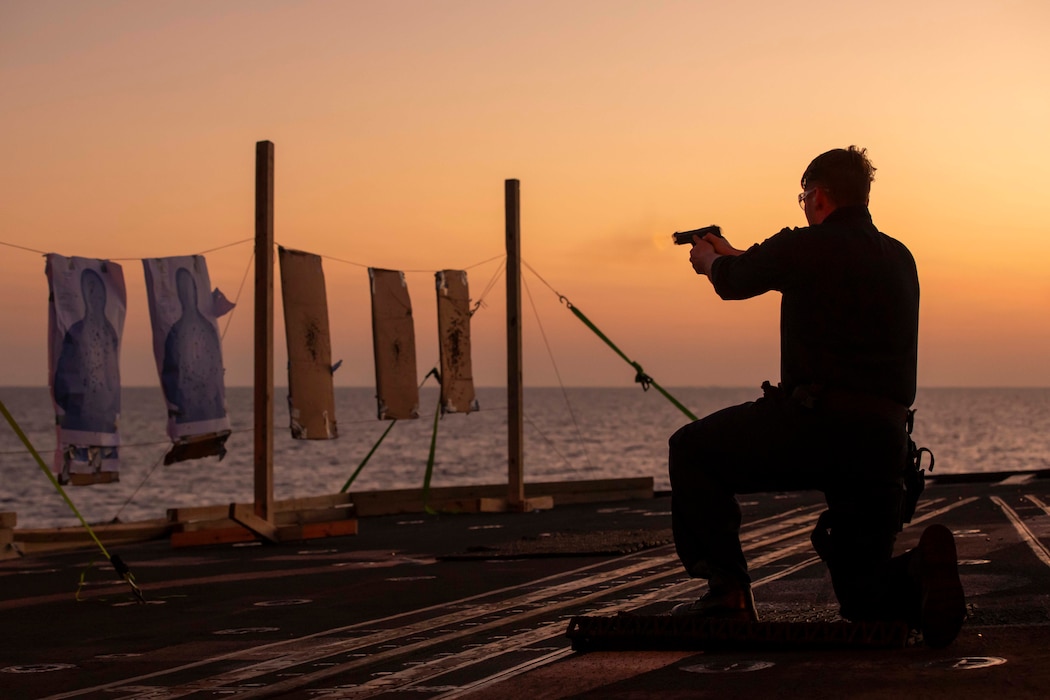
367, 457
118, 564
640, 377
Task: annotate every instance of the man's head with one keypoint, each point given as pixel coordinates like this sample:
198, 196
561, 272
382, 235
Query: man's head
838, 178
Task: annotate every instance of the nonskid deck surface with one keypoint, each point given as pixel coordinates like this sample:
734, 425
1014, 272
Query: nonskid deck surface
399, 611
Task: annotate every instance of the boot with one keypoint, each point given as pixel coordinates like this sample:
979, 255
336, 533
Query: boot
734, 603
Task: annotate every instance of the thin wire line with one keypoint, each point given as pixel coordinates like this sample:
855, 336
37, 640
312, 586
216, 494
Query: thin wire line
210, 250
116, 517
348, 262
22, 247
246, 240
228, 245
357, 264
547, 440
229, 319
557, 373
540, 278
494, 257
492, 283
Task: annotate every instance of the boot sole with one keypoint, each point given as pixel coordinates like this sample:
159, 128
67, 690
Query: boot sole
943, 601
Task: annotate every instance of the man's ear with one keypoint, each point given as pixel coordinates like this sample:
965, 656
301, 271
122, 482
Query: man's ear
820, 206
823, 203
822, 199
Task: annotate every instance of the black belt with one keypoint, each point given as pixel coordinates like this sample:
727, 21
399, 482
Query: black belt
860, 403
855, 402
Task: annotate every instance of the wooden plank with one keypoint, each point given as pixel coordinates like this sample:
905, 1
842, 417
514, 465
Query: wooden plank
410, 500
225, 535
393, 345
501, 505
323, 510
454, 499
198, 525
311, 396
244, 515
263, 356
116, 532
310, 531
515, 383
325, 515
289, 533
8, 519
467, 499
330, 500
191, 513
453, 313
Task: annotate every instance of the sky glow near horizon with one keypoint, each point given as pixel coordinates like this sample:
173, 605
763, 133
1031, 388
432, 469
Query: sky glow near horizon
128, 131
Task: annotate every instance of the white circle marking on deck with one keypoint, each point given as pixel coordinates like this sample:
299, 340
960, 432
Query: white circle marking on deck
277, 603
966, 663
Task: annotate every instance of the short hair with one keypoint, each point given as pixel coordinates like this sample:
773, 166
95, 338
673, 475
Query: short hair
846, 175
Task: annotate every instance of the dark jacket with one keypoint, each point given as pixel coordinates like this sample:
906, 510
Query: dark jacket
849, 315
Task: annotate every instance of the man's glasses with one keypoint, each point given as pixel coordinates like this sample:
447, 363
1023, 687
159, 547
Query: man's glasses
802, 197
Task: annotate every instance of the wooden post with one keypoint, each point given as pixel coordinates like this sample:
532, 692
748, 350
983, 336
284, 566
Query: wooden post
515, 402
264, 502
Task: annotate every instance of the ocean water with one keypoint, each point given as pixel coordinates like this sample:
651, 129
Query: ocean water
570, 434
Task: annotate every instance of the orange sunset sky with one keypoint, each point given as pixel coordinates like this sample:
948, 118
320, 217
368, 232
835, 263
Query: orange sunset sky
128, 130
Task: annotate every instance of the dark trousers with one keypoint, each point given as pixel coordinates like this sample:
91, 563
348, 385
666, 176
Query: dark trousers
776, 443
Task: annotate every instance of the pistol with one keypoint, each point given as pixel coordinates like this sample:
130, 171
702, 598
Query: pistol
686, 237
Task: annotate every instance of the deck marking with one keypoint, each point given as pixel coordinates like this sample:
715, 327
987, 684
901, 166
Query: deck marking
36, 668
506, 674
1031, 540
662, 595
1039, 503
732, 667
1016, 479
535, 593
428, 671
965, 663
566, 586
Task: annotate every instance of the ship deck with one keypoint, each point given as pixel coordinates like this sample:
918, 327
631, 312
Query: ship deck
478, 605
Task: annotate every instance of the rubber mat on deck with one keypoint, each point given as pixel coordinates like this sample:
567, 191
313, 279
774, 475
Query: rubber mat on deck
646, 632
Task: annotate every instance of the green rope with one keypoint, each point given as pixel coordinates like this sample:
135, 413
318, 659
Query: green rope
430, 459
641, 377
367, 457
118, 564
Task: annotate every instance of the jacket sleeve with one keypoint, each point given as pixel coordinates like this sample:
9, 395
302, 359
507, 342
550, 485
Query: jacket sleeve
761, 268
